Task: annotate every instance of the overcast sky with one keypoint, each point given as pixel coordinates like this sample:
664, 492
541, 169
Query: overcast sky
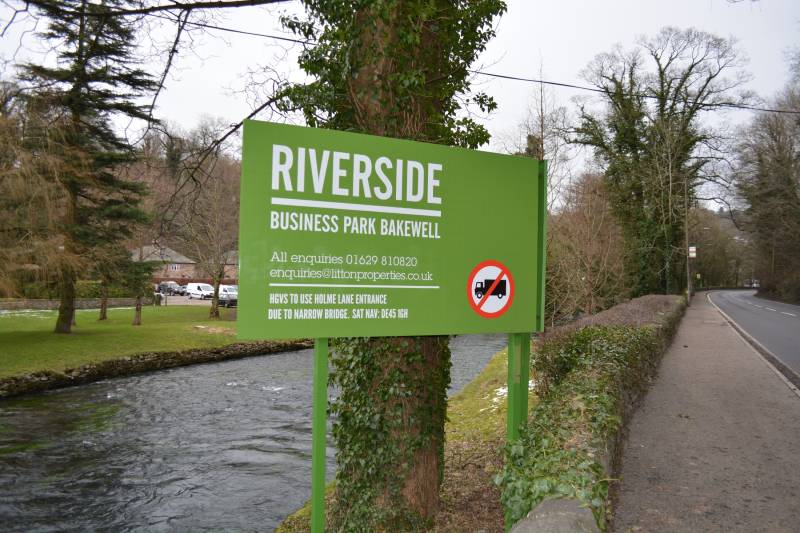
558, 37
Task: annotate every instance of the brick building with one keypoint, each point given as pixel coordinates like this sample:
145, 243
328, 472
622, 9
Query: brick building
178, 267
175, 267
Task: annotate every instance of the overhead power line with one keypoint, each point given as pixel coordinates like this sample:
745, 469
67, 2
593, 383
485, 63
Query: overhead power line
240, 32
174, 5
727, 105
730, 105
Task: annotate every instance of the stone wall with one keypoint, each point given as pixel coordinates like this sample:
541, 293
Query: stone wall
80, 303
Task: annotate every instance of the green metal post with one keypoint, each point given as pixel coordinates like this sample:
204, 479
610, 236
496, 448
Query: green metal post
519, 353
524, 340
319, 428
518, 361
512, 416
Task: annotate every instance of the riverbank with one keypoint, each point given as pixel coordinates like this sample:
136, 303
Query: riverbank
475, 436
35, 359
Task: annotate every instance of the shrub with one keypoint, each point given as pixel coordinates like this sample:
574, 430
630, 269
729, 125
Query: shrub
93, 289
588, 375
83, 289
39, 289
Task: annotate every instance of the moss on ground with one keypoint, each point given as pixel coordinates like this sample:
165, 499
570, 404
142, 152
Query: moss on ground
475, 434
29, 344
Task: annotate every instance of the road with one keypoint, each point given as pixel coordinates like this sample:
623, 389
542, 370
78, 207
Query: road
774, 324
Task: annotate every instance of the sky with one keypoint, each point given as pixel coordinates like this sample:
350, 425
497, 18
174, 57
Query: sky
552, 40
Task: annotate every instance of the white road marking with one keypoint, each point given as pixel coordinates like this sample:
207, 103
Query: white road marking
758, 306
770, 309
785, 313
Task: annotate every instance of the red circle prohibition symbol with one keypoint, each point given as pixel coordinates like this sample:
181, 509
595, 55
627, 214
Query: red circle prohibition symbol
500, 287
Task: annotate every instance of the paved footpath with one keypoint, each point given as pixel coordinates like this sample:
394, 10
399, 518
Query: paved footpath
715, 445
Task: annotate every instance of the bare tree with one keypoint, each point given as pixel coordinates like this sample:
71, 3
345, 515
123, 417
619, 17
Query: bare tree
585, 252
31, 205
207, 228
545, 133
768, 179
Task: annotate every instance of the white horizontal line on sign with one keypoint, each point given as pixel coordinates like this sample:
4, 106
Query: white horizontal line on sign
336, 285
343, 206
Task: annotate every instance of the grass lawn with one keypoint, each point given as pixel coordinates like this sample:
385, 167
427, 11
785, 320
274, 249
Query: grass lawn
28, 344
475, 434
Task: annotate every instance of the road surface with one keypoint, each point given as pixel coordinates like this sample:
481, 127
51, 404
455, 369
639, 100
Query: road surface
774, 324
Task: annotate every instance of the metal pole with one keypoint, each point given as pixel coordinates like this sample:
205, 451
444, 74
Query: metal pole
518, 362
514, 367
686, 240
519, 357
319, 428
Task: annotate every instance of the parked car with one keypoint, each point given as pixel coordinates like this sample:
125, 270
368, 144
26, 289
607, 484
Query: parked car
181, 290
228, 295
168, 287
202, 291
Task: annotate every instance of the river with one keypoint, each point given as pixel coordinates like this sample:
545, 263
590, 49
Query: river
223, 446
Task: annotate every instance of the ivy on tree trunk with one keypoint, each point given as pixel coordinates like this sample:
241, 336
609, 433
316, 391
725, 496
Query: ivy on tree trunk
398, 69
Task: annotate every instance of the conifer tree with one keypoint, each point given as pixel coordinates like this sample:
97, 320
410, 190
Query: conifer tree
94, 79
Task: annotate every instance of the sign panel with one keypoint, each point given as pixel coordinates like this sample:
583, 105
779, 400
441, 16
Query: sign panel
343, 234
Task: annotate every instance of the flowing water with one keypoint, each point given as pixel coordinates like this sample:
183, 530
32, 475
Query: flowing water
223, 446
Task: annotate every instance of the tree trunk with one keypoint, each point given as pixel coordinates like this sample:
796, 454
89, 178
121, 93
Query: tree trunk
422, 403
103, 301
214, 312
66, 307
390, 431
137, 314
426, 406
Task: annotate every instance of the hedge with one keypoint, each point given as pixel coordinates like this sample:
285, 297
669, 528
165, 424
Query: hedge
83, 289
589, 376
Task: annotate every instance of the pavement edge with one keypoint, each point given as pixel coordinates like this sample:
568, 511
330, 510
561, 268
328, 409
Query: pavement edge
787, 375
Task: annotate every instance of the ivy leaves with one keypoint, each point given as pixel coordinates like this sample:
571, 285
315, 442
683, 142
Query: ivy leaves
379, 379
394, 68
589, 374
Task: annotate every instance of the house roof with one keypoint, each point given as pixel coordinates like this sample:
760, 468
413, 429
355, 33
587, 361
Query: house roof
159, 253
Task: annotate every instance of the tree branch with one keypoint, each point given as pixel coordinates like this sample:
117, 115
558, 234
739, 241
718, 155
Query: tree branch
174, 6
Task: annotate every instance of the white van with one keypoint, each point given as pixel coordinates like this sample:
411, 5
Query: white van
203, 291
228, 295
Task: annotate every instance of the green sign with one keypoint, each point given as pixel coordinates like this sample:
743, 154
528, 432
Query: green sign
343, 234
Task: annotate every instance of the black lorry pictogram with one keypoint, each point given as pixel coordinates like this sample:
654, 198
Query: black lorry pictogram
482, 286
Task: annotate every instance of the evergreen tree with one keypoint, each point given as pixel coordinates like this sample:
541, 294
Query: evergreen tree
94, 79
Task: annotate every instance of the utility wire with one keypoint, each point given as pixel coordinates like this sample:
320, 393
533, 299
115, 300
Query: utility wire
240, 32
729, 105
306, 42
